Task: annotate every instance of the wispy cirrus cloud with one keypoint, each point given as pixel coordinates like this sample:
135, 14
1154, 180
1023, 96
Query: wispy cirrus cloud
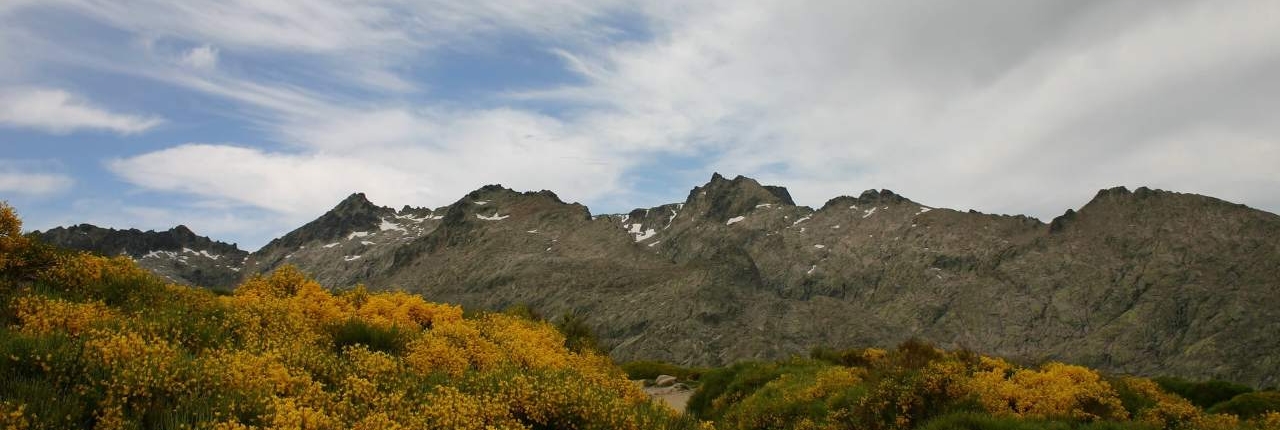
59, 111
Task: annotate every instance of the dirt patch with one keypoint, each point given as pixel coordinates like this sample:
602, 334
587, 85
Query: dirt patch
676, 398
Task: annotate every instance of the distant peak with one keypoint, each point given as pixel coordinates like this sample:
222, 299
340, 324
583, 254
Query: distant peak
479, 193
356, 201
1113, 192
182, 230
1123, 194
881, 196
497, 190
868, 197
356, 197
723, 198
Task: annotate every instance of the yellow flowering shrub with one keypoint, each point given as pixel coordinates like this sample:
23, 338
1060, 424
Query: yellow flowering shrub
406, 310
874, 356
1268, 421
119, 349
1172, 412
12, 242
13, 415
135, 364
1056, 390
40, 315
830, 381
529, 344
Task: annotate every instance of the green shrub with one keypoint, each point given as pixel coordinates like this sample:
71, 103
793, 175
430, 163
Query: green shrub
1134, 401
730, 385
1249, 405
523, 310
1202, 394
578, 336
390, 340
982, 421
915, 353
810, 396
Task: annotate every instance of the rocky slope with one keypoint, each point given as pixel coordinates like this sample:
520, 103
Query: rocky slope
1146, 282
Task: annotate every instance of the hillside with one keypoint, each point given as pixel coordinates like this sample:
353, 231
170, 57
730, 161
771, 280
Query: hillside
98, 343
1143, 282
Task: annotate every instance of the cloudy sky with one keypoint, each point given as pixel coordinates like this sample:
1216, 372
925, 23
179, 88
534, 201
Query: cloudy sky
244, 119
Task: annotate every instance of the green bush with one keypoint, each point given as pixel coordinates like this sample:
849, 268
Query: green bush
1249, 405
1134, 401
915, 353
352, 332
786, 402
523, 310
1202, 394
732, 384
578, 336
982, 421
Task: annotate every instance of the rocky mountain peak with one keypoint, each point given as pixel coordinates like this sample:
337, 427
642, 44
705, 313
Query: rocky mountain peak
352, 214
867, 198
882, 196
497, 191
356, 203
721, 199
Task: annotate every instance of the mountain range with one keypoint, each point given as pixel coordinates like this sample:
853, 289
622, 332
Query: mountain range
1144, 282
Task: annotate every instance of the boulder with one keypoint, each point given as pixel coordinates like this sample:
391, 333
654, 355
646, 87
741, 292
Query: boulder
664, 380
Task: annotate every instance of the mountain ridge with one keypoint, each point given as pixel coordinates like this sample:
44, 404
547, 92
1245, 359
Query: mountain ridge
1143, 281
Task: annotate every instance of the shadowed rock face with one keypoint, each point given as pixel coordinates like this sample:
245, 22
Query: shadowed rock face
1143, 281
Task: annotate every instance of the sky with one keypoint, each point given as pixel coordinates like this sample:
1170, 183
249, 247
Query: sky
244, 119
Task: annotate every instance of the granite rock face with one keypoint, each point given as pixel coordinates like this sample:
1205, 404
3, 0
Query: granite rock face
1146, 281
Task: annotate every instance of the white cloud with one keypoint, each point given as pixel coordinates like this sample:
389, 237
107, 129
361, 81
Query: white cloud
31, 179
1015, 107
1023, 107
398, 157
58, 111
204, 57
289, 184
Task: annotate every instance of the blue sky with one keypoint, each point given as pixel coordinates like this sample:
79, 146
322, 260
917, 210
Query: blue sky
244, 119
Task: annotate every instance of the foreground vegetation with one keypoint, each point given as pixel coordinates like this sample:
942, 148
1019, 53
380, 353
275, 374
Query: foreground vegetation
95, 342
919, 386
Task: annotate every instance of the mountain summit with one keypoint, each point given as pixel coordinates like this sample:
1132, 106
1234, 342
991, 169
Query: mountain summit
1143, 281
